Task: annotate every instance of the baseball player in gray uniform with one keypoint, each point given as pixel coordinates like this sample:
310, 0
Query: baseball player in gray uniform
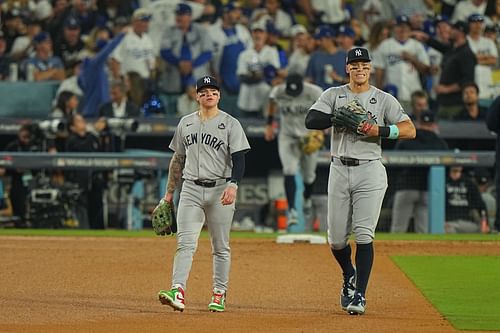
358, 179
209, 155
293, 99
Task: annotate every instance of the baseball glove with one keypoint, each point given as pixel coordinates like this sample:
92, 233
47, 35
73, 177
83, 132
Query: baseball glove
163, 218
353, 117
312, 142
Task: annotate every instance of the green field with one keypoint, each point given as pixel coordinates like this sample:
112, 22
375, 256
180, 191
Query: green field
465, 289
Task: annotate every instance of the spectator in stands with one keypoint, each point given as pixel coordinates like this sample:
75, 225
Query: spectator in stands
419, 104
66, 106
69, 45
483, 178
23, 45
21, 178
399, 62
486, 55
70, 83
110, 10
379, 32
81, 140
346, 37
471, 109
273, 38
326, 67
332, 13
135, 53
411, 197
230, 38
375, 11
457, 68
273, 13
493, 123
303, 45
4, 59
55, 22
492, 12
187, 49
45, 66
93, 79
12, 27
187, 102
86, 12
119, 106
252, 64
465, 208
467, 7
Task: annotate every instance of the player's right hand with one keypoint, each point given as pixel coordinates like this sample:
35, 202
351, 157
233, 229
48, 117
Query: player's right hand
169, 197
269, 133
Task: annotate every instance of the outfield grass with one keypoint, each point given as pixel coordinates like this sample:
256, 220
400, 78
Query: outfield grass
463, 288
235, 234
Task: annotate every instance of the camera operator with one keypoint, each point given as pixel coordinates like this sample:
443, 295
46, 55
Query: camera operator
91, 182
21, 178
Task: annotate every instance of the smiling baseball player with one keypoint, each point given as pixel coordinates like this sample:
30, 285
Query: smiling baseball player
210, 147
358, 179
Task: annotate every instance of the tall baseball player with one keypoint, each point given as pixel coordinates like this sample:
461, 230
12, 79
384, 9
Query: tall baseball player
358, 179
293, 99
209, 154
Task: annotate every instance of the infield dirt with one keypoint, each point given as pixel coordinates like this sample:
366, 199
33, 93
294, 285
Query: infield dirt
55, 284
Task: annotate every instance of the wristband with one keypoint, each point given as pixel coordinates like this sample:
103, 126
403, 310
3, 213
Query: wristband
384, 131
394, 132
233, 183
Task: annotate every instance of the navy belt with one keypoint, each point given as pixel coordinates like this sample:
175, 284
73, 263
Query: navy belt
210, 183
347, 161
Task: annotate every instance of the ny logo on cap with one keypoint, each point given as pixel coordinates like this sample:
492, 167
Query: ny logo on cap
358, 53
206, 80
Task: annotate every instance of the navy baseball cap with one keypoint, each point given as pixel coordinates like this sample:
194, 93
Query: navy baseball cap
475, 18
347, 31
231, 6
490, 28
324, 31
183, 9
207, 81
294, 85
41, 37
461, 26
72, 23
358, 54
403, 19
440, 18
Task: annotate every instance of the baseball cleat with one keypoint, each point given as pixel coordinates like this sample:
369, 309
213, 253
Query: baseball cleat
293, 217
173, 298
357, 306
218, 302
348, 290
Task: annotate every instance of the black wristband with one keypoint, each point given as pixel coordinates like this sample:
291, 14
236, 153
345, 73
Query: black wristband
384, 131
270, 119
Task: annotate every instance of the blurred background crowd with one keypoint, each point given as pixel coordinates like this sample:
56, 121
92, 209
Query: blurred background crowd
430, 54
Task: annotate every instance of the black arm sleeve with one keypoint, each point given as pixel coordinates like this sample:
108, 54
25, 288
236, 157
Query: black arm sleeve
441, 47
318, 120
238, 170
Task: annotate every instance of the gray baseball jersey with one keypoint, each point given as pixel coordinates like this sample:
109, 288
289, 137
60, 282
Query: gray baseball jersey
292, 112
208, 145
383, 107
356, 192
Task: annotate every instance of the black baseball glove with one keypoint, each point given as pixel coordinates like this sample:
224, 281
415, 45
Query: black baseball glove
353, 117
163, 218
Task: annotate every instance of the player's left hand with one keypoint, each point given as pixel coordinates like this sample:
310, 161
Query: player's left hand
269, 133
229, 195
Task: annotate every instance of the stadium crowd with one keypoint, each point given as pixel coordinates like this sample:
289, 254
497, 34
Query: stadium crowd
157, 49
141, 58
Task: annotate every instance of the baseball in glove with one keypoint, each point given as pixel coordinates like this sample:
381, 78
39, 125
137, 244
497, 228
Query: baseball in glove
312, 142
163, 218
353, 117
